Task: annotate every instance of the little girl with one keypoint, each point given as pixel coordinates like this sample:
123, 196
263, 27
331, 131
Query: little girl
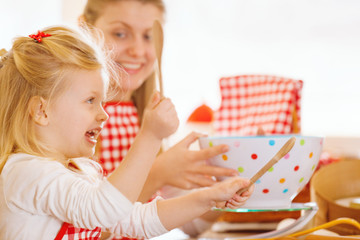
52, 86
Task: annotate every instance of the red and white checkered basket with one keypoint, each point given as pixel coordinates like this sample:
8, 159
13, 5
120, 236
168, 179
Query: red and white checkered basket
249, 102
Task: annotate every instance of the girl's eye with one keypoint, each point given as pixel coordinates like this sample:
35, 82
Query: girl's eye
120, 34
90, 100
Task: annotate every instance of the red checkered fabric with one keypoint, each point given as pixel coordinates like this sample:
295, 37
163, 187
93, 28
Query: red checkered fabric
123, 238
252, 101
69, 232
118, 134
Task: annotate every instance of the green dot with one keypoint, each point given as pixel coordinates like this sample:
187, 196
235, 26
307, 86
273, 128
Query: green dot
210, 144
302, 142
301, 179
313, 167
271, 169
240, 169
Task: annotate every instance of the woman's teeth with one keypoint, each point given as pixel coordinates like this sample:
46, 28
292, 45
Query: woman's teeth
131, 66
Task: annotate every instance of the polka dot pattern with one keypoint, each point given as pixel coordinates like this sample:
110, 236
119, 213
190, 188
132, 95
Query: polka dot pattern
283, 180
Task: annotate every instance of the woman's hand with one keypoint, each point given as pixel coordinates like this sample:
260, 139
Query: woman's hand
183, 168
188, 169
160, 117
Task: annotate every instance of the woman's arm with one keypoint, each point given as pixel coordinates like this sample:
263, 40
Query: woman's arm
160, 120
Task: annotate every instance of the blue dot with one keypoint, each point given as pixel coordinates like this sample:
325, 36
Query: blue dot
258, 181
272, 142
285, 190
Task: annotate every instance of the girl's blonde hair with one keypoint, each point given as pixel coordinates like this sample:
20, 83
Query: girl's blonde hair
93, 10
33, 68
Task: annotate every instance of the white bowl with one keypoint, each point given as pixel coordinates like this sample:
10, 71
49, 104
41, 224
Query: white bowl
280, 185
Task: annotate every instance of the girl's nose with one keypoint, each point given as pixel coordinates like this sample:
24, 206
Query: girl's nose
102, 116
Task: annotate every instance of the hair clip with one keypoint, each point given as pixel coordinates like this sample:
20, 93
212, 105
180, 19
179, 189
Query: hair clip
38, 37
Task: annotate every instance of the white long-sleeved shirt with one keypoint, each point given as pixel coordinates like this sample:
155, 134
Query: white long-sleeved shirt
38, 194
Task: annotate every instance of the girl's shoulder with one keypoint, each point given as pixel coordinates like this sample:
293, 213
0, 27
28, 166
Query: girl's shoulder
19, 163
20, 167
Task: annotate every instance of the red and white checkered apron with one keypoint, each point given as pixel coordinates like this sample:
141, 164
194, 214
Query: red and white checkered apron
118, 134
252, 101
69, 232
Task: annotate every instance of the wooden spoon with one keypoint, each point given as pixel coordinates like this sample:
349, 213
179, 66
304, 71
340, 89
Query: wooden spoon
158, 37
280, 154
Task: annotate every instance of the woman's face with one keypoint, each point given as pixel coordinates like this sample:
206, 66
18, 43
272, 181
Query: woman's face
127, 28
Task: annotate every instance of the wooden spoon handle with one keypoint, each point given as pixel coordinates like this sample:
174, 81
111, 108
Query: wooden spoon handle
158, 38
280, 154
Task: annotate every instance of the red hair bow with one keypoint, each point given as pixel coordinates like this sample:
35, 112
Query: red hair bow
38, 37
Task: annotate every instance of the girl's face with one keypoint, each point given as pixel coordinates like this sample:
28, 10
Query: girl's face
127, 27
76, 117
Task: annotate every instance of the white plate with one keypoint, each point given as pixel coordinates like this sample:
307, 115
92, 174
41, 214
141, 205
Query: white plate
293, 207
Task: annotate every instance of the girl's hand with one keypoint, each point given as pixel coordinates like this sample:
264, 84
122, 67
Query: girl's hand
160, 117
225, 191
197, 203
187, 169
238, 200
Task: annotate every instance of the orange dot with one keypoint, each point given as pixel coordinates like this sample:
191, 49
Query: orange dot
282, 180
224, 157
311, 155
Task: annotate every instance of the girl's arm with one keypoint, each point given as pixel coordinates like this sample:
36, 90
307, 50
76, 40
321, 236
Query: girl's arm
160, 120
176, 212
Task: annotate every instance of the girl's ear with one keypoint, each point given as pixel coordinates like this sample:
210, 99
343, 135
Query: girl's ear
37, 110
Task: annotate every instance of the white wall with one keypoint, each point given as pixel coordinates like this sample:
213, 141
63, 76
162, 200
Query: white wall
22, 18
317, 41
72, 10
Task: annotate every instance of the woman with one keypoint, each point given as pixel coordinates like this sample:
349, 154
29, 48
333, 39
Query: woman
127, 28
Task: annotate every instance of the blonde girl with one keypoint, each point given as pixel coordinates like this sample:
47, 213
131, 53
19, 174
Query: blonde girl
52, 87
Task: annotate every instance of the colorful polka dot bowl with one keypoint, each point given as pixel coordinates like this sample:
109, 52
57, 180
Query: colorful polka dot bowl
282, 182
